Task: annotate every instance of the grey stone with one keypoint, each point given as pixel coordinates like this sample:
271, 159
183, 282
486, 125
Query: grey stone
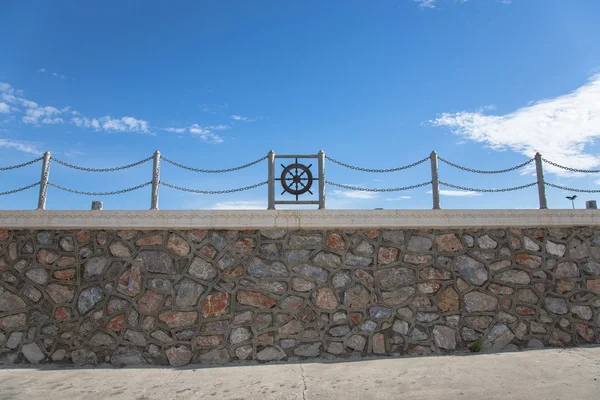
263, 269
14, 340
159, 285
38, 275
270, 354
380, 312
583, 312
444, 337
319, 274
125, 355
530, 244
486, 242
135, 337
498, 338
202, 269
357, 297
471, 270
59, 355
527, 296
84, 357
356, 342
535, 344
469, 334
353, 260
418, 334
216, 356
391, 278
313, 240
327, 260
444, 262
427, 317
591, 267
228, 260
469, 241
506, 317
365, 248
44, 237
239, 335
341, 330
67, 244
397, 297
335, 348
294, 256
89, 298
156, 261
274, 234
188, 293
161, 336
219, 239
368, 326
133, 318
308, 350
555, 305
537, 328
11, 302
578, 249
341, 279
287, 343
555, 249
94, 268
419, 244
514, 276
566, 270
302, 285
479, 301
339, 316
498, 265
243, 352
271, 250
400, 327
101, 339
394, 236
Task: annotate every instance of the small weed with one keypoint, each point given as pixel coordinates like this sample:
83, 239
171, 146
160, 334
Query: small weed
476, 346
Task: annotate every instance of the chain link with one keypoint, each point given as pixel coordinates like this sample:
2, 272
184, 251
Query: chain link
19, 190
21, 165
585, 171
377, 190
66, 164
99, 193
212, 191
333, 160
481, 171
213, 171
488, 190
573, 190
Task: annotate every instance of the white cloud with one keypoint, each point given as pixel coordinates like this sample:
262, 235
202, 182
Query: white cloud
41, 70
398, 198
239, 205
20, 146
205, 134
351, 194
125, 124
4, 108
239, 118
175, 130
219, 127
559, 128
457, 193
426, 3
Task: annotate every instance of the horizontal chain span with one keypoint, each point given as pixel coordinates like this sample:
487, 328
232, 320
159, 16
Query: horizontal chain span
99, 193
333, 160
573, 190
212, 191
66, 164
213, 171
585, 171
488, 190
20, 189
21, 165
481, 171
377, 190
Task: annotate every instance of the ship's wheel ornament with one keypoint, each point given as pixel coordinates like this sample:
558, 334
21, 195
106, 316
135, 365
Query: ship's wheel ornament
296, 179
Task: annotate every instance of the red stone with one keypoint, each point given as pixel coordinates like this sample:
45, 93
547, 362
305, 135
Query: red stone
3, 263
65, 261
522, 310
234, 273
266, 338
528, 260
365, 278
3, 235
593, 285
448, 300
325, 298
355, 317
244, 246
169, 301
116, 324
46, 256
177, 319
371, 233
255, 299
431, 273
585, 332
540, 287
387, 255
150, 301
497, 289
418, 259
59, 293
65, 274
130, 283
12, 321
564, 286
127, 235
335, 241
179, 355
178, 246
515, 243
154, 240
209, 341
215, 305
448, 243
422, 302
208, 251
62, 314
539, 234
505, 304
197, 235
378, 343
83, 236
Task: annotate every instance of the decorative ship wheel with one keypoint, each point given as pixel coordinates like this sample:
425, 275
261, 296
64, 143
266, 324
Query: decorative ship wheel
296, 179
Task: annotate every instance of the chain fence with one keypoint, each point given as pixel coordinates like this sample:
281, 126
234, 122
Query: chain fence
156, 181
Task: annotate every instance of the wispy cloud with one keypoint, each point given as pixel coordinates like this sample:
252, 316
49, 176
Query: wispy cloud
203, 132
426, 3
4, 108
245, 119
351, 194
457, 193
55, 74
26, 147
213, 108
398, 198
560, 128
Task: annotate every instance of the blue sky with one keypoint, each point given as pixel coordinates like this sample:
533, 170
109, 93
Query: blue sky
215, 84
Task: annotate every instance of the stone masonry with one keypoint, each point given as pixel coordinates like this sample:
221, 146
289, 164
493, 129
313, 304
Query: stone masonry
214, 296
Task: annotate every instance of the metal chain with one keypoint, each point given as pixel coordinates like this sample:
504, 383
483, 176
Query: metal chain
481, 171
213, 171
573, 190
488, 190
99, 193
21, 165
213, 191
333, 160
585, 171
19, 190
377, 190
66, 164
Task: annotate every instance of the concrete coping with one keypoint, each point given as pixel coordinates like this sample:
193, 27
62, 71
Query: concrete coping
295, 219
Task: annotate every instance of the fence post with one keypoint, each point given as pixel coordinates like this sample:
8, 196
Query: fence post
435, 180
44, 181
271, 180
321, 180
155, 181
540, 181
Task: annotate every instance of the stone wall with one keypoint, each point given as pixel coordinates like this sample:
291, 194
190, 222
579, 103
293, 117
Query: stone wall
205, 296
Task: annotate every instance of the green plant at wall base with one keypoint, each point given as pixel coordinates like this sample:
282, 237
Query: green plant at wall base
476, 346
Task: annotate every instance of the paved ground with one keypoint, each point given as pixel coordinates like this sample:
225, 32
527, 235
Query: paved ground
537, 374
